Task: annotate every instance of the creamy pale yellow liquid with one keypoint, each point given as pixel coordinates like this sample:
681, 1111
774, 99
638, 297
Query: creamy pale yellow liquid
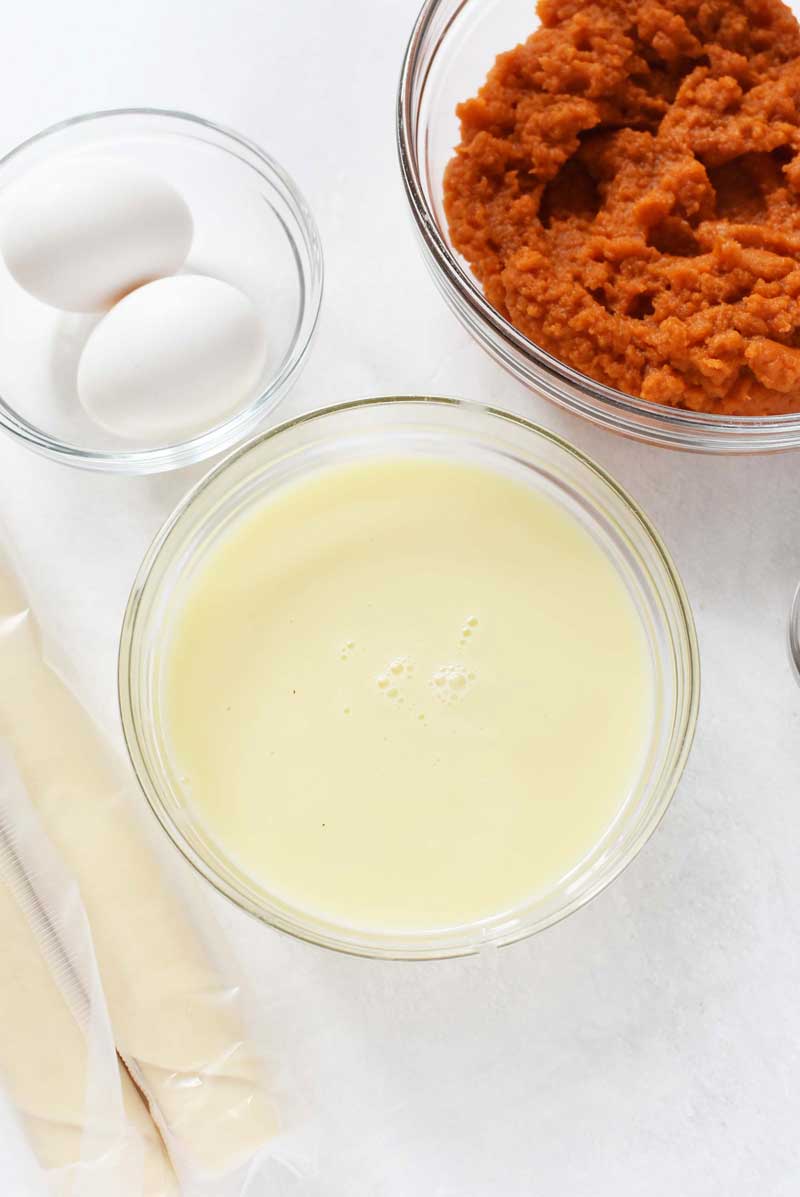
407, 694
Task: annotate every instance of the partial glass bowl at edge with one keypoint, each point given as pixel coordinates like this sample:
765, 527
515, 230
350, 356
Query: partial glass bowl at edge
794, 634
253, 228
454, 431
450, 52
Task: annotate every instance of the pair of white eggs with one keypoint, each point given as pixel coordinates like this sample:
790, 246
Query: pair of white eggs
174, 354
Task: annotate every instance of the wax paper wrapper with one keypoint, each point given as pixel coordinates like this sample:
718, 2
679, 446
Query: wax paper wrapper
74, 1101
175, 1016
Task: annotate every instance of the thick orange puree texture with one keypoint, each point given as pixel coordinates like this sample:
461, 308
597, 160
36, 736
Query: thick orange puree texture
627, 190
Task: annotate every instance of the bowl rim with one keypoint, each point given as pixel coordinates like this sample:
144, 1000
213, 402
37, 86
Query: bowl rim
242, 423
604, 405
297, 926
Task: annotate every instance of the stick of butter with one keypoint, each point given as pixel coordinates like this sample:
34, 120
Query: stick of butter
83, 1116
176, 1021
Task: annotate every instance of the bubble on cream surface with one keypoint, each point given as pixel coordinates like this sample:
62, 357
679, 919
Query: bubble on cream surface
79, 232
451, 682
468, 630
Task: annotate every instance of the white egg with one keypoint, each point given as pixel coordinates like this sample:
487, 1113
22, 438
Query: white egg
80, 233
171, 359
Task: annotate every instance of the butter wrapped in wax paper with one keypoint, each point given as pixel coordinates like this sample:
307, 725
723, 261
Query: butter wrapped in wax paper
176, 1019
81, 1113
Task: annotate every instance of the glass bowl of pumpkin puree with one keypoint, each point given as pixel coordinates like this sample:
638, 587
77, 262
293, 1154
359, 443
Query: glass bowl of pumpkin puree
408, 678
608, 197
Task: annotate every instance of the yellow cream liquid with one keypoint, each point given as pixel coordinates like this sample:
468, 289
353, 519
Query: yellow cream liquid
407, 694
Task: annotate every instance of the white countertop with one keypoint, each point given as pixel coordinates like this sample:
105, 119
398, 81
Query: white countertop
651, 1043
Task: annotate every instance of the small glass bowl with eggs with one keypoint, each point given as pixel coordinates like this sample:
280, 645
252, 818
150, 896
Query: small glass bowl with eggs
160, 283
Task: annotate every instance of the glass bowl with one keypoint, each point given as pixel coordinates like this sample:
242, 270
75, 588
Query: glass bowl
252, 228
452, 47
794, 634
455, 431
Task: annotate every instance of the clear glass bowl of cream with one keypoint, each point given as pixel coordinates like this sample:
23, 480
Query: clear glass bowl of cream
381, 450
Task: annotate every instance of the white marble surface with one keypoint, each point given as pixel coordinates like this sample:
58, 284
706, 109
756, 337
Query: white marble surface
652, 1042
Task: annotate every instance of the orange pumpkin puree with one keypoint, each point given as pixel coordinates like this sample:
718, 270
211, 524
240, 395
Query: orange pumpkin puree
627, 191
